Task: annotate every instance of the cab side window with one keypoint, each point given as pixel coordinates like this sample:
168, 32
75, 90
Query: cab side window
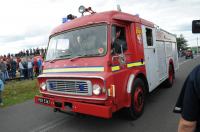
118, 39
149, 37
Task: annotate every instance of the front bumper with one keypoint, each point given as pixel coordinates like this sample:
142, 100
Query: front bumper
78, 107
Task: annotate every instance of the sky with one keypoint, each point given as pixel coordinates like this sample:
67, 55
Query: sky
27, 24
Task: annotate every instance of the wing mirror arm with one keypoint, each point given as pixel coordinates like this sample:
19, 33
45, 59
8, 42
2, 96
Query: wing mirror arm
114, 58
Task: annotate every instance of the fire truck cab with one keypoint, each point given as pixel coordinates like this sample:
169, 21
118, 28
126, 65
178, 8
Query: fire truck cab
103, 62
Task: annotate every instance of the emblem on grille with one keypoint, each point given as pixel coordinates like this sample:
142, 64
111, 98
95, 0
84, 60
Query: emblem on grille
81, 87
52, 85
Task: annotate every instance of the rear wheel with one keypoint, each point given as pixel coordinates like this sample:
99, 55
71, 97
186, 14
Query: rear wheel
170, 80
138, 94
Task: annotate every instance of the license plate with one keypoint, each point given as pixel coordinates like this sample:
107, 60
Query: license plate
44, 101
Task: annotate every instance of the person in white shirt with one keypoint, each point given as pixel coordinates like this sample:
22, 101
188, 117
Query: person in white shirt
21, 69
30, 68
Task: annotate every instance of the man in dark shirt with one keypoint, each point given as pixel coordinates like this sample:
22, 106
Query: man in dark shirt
119, 42
13, 64
188, 103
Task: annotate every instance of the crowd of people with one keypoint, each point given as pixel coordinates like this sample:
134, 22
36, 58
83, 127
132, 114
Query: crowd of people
28, 63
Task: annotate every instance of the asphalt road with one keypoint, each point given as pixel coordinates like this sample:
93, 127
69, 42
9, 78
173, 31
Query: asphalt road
157, 117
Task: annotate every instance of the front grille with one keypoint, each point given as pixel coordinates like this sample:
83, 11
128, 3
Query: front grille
75, 87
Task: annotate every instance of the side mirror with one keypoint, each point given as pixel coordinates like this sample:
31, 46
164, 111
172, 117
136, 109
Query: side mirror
196, 26
121, 59
119, 46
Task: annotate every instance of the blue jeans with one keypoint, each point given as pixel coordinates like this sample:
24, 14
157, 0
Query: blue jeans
21, 73
2, 76
13, 73
6, 75
30, 73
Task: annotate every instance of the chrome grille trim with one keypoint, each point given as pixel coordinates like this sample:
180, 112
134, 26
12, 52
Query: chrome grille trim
71, 87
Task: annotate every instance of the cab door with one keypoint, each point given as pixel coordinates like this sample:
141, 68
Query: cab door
119, 61
150, 52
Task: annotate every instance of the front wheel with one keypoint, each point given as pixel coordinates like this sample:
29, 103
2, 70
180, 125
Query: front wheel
138, 95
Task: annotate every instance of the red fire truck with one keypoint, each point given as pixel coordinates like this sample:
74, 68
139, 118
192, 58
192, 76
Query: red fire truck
100, 63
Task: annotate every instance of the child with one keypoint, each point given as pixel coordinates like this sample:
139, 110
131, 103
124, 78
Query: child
1, 90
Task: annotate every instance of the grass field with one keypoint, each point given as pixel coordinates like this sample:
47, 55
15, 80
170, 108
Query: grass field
19, 91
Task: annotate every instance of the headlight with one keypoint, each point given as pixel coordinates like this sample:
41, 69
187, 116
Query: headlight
96, 89
43, 86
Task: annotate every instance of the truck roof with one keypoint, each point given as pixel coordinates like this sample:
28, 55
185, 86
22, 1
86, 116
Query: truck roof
106, 17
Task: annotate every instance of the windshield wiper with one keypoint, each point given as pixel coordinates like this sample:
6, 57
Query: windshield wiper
53, 60
78, 56
62, 56
58, 58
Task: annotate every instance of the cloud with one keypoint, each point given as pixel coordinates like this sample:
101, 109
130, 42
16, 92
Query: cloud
5, 39
184, 27
31, 42
31, 32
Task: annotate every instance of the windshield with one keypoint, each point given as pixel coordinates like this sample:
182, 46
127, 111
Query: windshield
84, 42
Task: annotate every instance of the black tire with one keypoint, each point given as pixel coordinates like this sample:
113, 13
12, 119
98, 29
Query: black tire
170, 79
138, 94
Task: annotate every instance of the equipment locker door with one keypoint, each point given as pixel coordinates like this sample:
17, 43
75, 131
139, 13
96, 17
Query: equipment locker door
150, 52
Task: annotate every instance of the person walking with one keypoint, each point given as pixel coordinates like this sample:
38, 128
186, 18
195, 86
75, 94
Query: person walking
188, 103
1, 92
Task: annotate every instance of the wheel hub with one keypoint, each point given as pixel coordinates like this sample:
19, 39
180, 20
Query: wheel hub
138, 99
